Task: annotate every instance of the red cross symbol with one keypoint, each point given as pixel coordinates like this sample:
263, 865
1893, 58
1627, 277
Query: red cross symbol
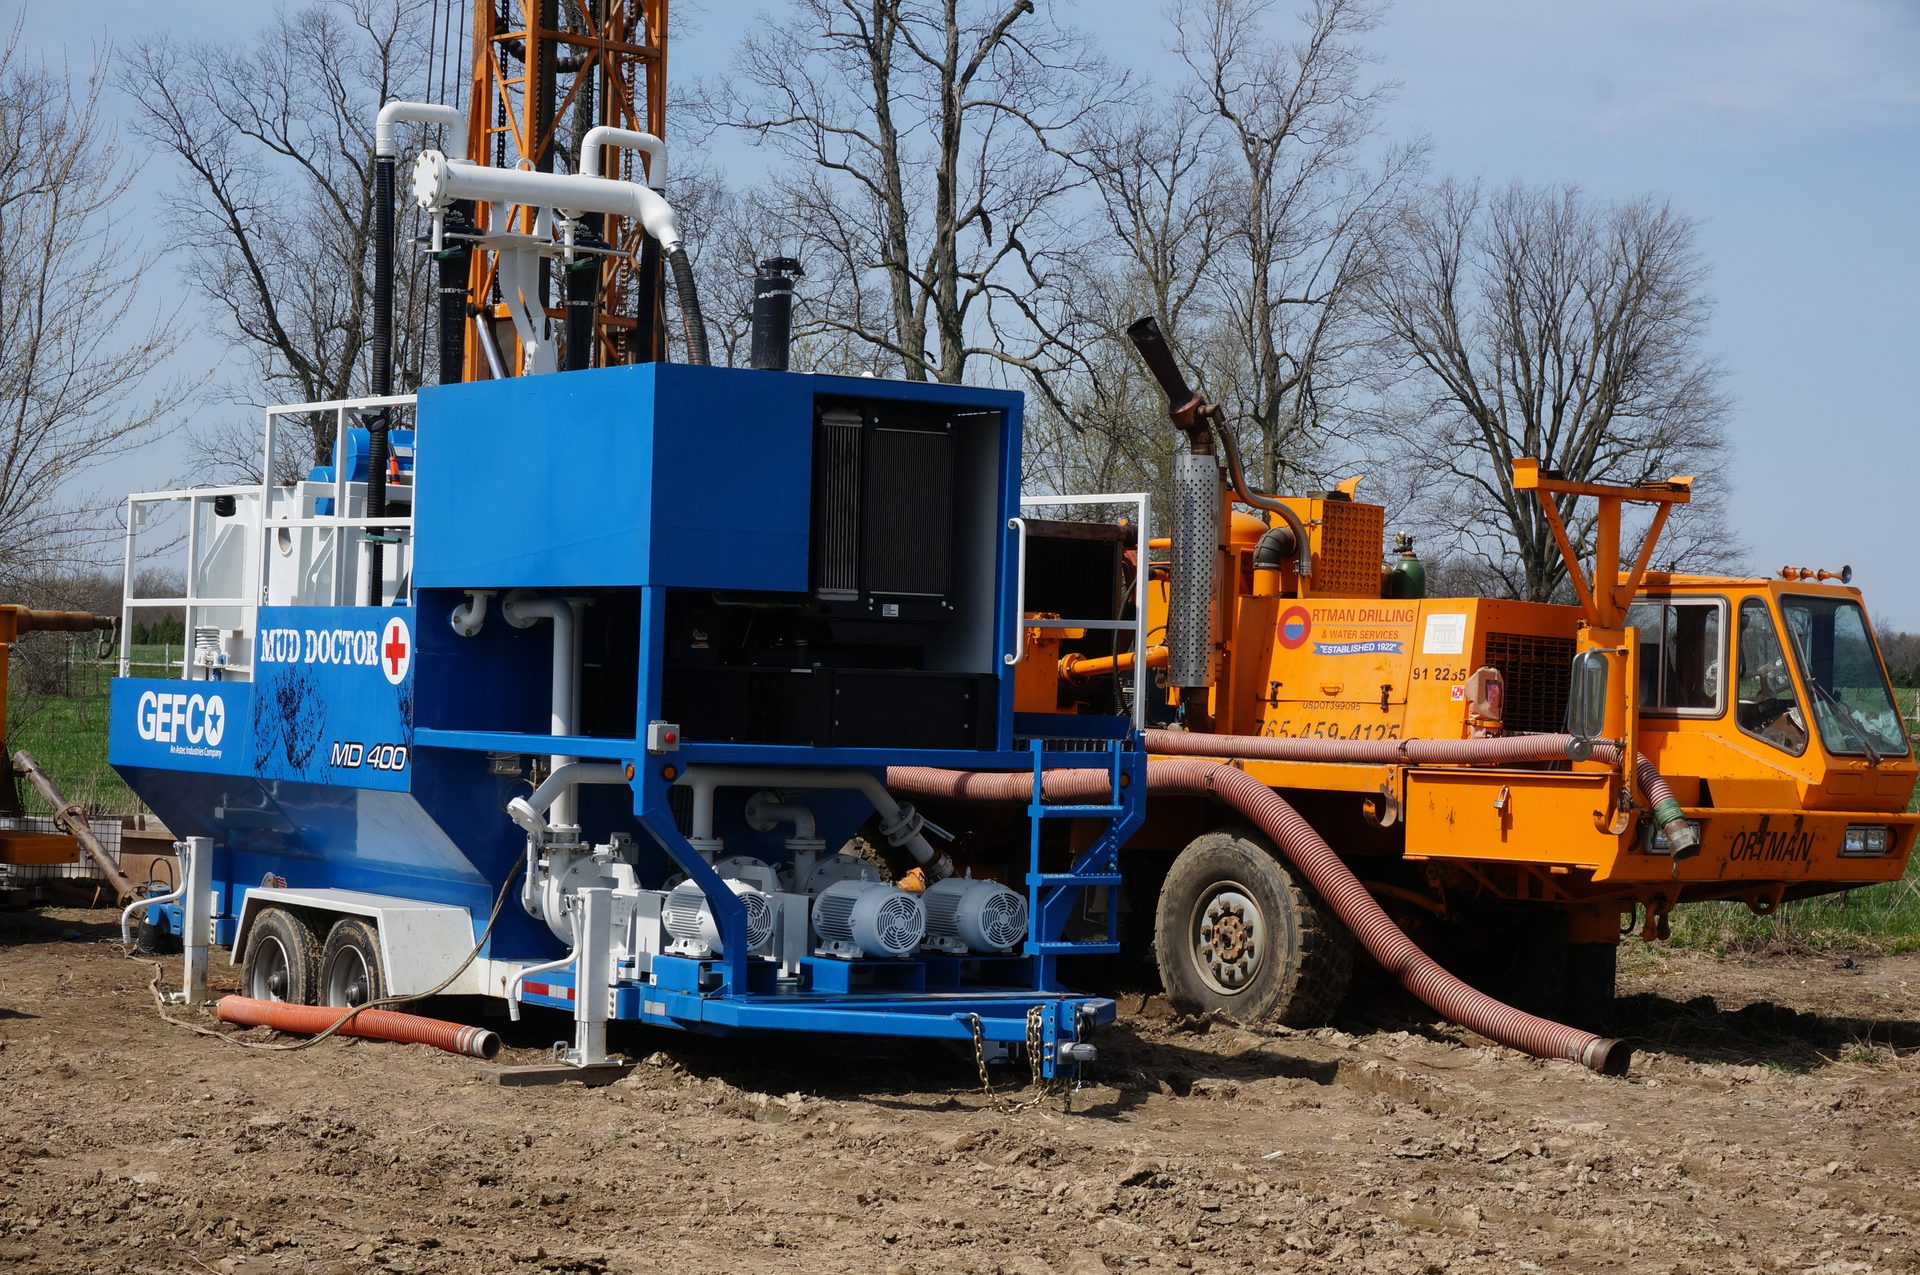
396, 650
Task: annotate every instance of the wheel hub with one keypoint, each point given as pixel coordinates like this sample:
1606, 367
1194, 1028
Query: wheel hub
1229, 940
271, 971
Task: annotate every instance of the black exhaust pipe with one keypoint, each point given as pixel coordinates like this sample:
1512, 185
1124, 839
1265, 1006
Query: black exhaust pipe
773, 313
378, 422
583, 294
453, 260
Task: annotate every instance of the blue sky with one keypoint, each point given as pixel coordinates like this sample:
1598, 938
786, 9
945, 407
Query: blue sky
1790, 129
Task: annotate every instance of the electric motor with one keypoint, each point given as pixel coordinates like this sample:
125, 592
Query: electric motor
984, 915
868, 918
693, 926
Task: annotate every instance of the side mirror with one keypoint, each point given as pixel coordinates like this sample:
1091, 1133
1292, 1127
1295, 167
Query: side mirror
1587, 702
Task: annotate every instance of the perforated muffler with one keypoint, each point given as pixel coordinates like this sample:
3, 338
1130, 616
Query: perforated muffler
1196, 541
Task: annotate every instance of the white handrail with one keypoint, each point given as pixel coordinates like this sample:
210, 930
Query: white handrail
1143, 502
1013, 657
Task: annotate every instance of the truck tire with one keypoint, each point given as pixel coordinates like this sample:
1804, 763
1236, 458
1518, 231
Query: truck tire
1234, 932
351, 972
283, 959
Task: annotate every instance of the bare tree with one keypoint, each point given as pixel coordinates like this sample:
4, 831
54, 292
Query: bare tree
927, 190
275, 205
1243, 212
1531, 323
77, 382
1300, 191
1101, 426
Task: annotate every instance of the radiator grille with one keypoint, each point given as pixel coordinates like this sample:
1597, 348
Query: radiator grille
1539, 674
836, 506
1348, 561
909, 513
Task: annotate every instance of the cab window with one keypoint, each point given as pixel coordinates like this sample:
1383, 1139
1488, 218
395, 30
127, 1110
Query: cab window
1767, 705
1852, 705
1682, 649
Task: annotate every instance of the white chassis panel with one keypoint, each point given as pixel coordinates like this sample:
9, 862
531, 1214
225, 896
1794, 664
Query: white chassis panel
420, 943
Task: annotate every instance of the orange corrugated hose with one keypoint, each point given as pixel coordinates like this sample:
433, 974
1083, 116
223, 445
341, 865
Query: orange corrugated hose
374, 1024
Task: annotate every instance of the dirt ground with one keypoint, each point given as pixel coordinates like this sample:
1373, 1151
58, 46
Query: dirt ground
1771, 1123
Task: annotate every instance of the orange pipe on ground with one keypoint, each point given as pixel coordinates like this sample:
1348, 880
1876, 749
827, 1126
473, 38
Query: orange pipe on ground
373, 1024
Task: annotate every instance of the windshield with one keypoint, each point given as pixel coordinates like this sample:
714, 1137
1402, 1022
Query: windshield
1768, 706
1851, 702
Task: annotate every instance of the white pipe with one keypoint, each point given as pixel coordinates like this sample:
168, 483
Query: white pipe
126, 914
521, 612
899, 823
579, 656
495, 367
573, 954
765, 815
469, 616
527, 811
437, 184
530, 811
625, 139
386, 142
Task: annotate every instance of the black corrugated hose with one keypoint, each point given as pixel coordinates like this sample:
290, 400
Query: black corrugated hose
690, 317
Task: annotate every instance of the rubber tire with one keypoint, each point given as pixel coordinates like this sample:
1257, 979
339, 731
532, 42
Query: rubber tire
352, 936
1301, 978
301, 945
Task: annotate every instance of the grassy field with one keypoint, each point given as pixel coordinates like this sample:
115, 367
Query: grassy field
67, 733
1881, 918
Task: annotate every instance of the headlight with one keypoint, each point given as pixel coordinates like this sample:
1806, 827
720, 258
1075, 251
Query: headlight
1865, 839
1659, 843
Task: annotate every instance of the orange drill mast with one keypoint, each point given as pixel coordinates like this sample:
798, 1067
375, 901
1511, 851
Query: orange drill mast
541, 79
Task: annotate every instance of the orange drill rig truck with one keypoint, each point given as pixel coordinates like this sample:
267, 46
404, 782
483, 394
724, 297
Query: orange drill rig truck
1520, 783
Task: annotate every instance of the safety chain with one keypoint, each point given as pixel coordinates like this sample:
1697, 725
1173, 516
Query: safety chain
980, 1057
1042, 1087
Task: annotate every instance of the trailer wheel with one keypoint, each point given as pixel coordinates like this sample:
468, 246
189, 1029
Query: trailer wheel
283, 959
350, 969
1235, 932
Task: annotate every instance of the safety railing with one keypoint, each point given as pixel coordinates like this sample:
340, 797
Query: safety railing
272, 515
1142, 505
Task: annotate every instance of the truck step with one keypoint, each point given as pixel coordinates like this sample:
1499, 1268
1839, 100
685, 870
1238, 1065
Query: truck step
1063, 948
1077, 812
1073, 878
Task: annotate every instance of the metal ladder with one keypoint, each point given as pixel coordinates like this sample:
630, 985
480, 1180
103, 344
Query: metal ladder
1051, 895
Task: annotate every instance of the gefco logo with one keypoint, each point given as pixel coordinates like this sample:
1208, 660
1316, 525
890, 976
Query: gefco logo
177, 717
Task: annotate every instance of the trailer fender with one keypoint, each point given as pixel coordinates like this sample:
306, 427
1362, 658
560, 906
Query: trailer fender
420, 943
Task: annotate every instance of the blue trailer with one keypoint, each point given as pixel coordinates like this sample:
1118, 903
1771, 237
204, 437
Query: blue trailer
586, 714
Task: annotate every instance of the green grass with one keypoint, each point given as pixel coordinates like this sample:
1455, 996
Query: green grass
1881, 918
67, 733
